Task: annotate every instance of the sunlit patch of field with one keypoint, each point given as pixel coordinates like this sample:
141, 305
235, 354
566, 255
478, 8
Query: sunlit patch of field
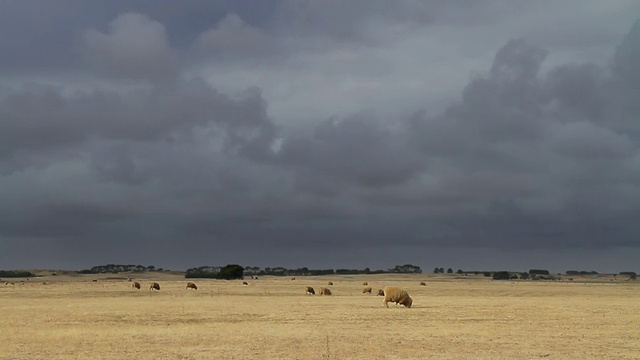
453, 317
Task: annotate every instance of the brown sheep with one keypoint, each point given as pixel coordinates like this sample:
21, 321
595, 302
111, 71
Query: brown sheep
154, 286
310, 291
396, 295
325, 291
367, 290
293, 278
380, 292
422, 283
365, 283
245, 283
330, 283
135, 285
191, 285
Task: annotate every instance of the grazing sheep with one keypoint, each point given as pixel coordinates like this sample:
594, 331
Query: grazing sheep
135, 285
325, 291
293, 278
396, 295
365, 283
380, 292
191, 285
245, 283
422, 283
154, 286
310, 291
367, 290
330, 283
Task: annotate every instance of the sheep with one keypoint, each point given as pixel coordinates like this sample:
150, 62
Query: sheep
365, 283
380, 292
154, 286
310, 291
293, 278
422, 283
191, 285
325, 291
135, 285
245, 283
330, 283
396, 295
367, 290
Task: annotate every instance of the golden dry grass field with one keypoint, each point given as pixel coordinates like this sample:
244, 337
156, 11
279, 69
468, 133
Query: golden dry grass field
73, 317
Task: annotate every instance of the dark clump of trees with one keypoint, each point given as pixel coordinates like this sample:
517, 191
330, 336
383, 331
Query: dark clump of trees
228, 272
231, 272
114, 269
15, 274
538, 272
501, 275
582, 272
406, 269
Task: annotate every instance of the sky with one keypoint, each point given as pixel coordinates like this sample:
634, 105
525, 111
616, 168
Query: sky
484, 135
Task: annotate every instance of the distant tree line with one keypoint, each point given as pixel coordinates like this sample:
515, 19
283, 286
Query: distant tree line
449, 271
15, 274
575, 272
114, 269
213, 272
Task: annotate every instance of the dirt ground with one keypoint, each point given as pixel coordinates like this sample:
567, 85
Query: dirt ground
453, 317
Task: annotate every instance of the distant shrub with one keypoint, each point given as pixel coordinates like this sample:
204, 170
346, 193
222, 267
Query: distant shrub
487, 274
538, 272
501, 275
628, 273
588, 273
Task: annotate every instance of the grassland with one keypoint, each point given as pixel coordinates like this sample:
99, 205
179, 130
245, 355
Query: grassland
453, 317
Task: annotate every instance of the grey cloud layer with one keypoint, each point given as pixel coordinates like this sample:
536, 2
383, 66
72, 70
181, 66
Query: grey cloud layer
156, 160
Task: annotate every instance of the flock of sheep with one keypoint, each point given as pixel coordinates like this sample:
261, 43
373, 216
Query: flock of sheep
391, 294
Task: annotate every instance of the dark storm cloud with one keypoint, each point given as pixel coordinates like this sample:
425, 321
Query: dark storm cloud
142, 149
145, 114
135, 47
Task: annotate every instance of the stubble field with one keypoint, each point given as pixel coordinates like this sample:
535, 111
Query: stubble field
453, 317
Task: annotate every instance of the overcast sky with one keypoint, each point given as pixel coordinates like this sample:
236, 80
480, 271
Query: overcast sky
466, 134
